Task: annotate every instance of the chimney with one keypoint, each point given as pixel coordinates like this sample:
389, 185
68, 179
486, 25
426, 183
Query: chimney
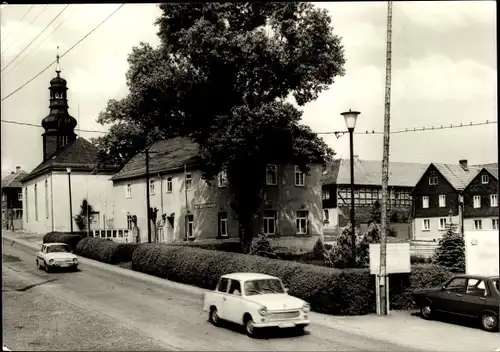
463, 164
18, 168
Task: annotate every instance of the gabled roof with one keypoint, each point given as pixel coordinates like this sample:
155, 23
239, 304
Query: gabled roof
369, 173
14, 180
492, 168
331, 172
456, 175
167, 155
80, 155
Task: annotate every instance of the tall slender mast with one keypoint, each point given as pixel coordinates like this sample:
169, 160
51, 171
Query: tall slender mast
385, 165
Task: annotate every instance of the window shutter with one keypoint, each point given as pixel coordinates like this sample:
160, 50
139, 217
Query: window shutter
308, 229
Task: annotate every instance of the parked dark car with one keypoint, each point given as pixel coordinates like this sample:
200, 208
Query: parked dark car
464, 295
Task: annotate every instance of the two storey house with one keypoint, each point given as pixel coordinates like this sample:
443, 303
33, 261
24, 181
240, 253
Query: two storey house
189, 208
12, 200
438, 199
481, 201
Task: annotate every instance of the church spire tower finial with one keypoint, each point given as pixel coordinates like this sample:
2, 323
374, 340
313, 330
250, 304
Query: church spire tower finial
58, 67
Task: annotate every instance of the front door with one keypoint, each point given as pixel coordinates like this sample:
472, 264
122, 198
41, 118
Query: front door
448, 300
94, 221
232, 304
474, 298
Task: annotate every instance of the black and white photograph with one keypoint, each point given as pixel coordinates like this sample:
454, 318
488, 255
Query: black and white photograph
250, 176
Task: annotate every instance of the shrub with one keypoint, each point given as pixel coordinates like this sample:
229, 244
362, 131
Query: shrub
262, 247
451, 251
105, 251
233, 247
71, 239
330, 291
419, 259
341, 253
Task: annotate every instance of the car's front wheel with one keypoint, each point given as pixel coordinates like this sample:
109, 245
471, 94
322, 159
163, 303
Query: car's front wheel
39, 266
213, 316
300, 329
46, 267
249, 326
489, 322
75, 267
426, 311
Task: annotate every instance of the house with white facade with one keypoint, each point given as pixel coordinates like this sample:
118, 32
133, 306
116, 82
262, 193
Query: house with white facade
188, 208
69, 172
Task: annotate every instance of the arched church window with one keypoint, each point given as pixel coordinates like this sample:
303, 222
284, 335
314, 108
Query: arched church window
59, 95
64, 140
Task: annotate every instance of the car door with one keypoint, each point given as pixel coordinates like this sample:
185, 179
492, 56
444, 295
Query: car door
232, 303
474, 298
220, 296
448, 300
39, 254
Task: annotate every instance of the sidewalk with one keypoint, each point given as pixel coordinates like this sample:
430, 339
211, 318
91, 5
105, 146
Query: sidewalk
399, 327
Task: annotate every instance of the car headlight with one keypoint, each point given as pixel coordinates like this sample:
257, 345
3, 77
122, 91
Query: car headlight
75, 260
51, 261
306, 308
263, 311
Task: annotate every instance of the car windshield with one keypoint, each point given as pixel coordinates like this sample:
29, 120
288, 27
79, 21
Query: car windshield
265, 286
57, 248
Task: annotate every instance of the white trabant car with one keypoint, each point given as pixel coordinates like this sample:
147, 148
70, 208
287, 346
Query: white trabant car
56, 255
255, 301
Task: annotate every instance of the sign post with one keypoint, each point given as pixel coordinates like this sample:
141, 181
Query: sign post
398, 261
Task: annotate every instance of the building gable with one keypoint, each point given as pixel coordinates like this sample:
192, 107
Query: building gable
484, 190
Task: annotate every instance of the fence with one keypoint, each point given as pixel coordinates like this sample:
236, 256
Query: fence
117, 235
423, 248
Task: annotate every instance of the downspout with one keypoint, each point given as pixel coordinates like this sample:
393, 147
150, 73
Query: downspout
52, 200
461, 212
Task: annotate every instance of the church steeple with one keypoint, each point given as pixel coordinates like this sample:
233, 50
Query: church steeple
59, 125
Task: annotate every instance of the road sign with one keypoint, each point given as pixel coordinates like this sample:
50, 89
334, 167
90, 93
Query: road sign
398, 258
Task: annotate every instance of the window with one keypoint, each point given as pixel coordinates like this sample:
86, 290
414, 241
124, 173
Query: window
269, 222
222, 179
494, 224
425, 202
426, 224
326, 216
64, 140
169, 184
4, 197
35, 190
476, 287
128, 191
477, 201
20, 196
484, 179
235, 288
299, 177
442, 200
457, 285
130, 222
493, 200
152, 187
189, 181
326, 194
302, 222
190, 226
26, 202
271, 175
433, 180
222, 286
223, 224
442, 223
478, 224
46, 199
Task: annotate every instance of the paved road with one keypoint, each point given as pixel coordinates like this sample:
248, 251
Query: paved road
99, 310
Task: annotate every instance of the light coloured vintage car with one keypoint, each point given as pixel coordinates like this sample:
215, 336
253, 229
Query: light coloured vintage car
255, 301
56, 255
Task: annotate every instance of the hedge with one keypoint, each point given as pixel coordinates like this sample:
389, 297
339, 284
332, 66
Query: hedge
70, 238
233, 247
329, 291
105, 251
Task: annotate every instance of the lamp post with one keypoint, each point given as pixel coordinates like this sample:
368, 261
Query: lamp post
68, 170
350, 121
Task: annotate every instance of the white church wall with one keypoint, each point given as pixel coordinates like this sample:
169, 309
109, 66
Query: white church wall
37, 210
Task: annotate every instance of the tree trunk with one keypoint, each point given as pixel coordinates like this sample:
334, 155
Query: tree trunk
246, 233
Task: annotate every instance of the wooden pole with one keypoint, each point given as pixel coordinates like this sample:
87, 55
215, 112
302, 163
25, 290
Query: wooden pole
385, 167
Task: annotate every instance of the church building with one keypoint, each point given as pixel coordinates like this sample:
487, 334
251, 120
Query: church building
69, 173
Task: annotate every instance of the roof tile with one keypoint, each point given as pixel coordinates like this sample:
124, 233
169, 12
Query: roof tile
458, 177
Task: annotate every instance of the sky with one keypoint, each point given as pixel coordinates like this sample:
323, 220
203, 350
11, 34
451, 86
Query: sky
443, 72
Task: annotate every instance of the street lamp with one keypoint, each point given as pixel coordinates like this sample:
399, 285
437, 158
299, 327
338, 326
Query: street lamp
68, 170
350, 121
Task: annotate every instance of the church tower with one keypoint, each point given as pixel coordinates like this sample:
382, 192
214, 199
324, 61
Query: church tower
59, 126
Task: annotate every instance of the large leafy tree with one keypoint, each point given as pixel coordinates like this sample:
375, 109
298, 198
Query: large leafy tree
225, 75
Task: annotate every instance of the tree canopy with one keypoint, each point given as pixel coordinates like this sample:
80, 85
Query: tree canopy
225, 75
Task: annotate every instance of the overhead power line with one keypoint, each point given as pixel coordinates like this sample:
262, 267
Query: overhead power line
22, 18
39, 34
67, 51
29, 25
36, 47
337, 133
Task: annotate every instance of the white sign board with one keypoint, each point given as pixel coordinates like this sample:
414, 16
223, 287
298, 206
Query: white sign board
398, 258
481, 252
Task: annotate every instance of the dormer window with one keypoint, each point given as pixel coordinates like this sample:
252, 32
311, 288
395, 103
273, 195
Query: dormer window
64, 140
433, 180
484, 179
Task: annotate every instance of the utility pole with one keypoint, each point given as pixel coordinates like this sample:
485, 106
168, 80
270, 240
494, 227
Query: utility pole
147, 196
385, 167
